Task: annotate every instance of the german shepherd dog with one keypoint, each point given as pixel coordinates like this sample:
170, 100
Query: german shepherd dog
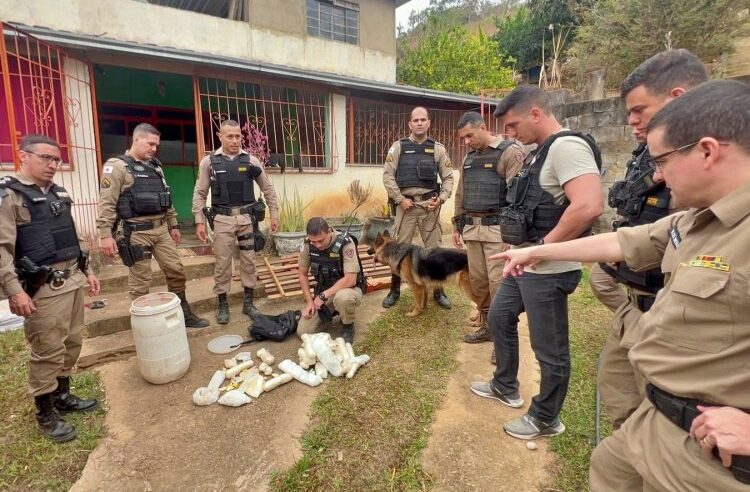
423, 269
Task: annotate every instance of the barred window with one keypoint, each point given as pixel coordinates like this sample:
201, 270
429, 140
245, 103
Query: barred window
333, 19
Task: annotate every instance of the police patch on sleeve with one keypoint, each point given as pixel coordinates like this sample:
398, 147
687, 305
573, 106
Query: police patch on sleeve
389, 158
108, 169
448, 163
106, 183
349, 253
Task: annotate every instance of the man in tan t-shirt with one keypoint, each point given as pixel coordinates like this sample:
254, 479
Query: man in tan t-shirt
480, 195
694, 343
332, 258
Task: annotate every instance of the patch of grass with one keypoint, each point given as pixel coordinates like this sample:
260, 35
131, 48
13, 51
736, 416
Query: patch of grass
29, 461
589, 326
369, 432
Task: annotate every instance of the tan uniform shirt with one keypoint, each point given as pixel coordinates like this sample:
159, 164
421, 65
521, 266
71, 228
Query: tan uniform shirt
349, 252
445, 170
115, 180
508, 166
13, 212
203, 186
695, 340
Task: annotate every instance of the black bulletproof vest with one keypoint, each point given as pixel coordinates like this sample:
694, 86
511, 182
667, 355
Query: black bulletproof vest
50, 237
149, 194
639, 200
483, 189
232, 180
525, 192
327, 265
416, 165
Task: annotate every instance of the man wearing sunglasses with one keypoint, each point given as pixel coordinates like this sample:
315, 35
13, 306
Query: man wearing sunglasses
694, 343
43, 272
641, 197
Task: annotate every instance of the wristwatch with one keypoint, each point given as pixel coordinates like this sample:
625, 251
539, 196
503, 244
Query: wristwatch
322, 296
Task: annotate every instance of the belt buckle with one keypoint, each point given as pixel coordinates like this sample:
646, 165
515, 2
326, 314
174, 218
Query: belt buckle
57, 282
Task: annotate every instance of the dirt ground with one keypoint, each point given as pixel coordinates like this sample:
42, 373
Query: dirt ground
468, 449
159, 440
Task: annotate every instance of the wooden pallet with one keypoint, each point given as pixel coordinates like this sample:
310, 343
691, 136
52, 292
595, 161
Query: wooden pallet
280, 279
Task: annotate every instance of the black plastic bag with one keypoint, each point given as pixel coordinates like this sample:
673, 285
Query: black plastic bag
275, 328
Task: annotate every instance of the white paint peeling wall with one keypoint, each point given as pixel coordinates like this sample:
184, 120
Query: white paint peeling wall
128, 20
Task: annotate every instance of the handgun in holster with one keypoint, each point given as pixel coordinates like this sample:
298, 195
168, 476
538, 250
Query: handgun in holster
130, 254
460, 222
209, 214
32, 277
391, 207
257, 215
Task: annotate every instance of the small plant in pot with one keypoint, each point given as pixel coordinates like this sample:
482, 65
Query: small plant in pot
291, 234
380, 222
350, 223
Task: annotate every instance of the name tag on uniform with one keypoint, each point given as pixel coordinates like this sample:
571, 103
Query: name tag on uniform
63, 193
652, 200
409, 151
220, 171
429, 151
488, 166
334, 255
141, 175
242, 169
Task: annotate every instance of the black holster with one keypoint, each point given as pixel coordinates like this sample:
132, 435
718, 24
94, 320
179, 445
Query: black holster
209, 214
83, 261
32, 277
130, 253
459, 221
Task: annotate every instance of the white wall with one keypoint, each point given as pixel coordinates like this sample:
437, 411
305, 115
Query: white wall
128, 20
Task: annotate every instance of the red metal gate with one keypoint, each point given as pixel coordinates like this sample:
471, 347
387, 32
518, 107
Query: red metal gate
47, 91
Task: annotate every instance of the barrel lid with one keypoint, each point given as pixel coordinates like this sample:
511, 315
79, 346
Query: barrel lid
224, 344
154, 303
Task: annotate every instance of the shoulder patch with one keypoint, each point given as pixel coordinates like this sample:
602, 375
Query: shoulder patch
105, 183
389, 157
108, 169
392, 150
349, 253
448, 164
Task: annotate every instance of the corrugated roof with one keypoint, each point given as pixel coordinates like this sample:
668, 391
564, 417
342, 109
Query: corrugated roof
83, 41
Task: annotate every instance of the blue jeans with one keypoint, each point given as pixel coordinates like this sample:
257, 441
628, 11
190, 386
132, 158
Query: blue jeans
544, 298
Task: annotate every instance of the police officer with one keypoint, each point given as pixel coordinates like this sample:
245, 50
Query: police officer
135, 201
694, 343
418, 178
555, 197
44, 271
479, 197
340, 281
641, 198
230, 173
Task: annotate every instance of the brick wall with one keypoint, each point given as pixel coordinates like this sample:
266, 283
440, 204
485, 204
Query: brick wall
606, 120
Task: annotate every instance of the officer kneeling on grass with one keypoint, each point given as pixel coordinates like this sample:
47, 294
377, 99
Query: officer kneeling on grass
332, 258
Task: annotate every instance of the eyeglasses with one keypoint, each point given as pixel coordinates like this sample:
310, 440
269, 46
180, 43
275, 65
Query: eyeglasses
658, 161
48, 159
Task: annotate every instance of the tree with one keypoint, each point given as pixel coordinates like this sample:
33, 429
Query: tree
617, 35
520, 35
453, 59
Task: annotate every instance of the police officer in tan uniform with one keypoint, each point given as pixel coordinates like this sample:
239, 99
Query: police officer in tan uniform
230, 173
640, 198
480, 195
410, 175
340, 281
694, 343
44, 271
135, 202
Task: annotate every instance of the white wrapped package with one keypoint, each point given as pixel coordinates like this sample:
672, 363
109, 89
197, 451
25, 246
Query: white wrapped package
326, 356
216, 380
205, 396
299, 374
234, 398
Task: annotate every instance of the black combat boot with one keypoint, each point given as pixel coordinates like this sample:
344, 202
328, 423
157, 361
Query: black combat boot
49, 423
482, 334
65, 402
191, 320
347, 332
248, 307
222, 313
441, 298
392, 298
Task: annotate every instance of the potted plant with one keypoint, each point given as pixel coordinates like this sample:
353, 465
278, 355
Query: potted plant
350, 223
382, 221
291, 234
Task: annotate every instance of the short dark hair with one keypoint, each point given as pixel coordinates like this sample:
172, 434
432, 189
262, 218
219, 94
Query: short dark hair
469, 118
317, 225
664, 71
29, 141
523, 98
147, 129
231, 123
419, 107
718, 109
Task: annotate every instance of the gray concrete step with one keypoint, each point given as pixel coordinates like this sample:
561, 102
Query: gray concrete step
114, 278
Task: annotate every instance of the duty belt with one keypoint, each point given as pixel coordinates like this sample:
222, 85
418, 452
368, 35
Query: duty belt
423, 197
643, 301
58, 278
485, 221
682, 412
232, 211
144, 226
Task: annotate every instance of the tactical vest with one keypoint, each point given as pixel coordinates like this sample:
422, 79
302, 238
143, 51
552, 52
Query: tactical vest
526, 196
639, 200
416, 165
149, 194
232, 180
483, 189
50, 237
327, 265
